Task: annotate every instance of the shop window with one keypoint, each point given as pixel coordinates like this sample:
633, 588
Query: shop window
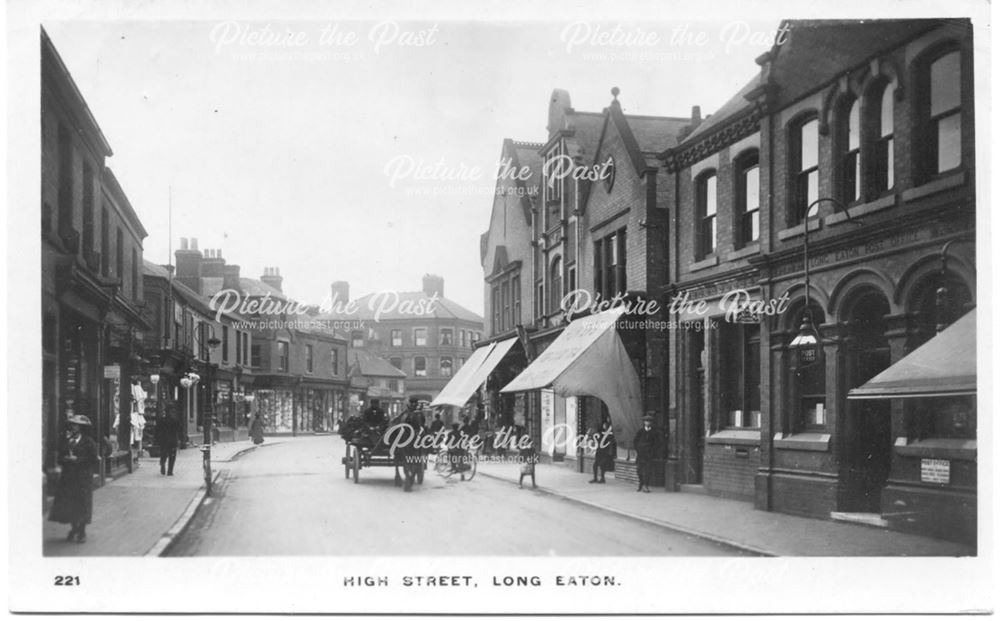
394, 385
396, 338
446, 366
943, 112
748, 199
740, 374
420, 337
808, 382
707, 204
850, 159
420, 366
804, 168
945, 417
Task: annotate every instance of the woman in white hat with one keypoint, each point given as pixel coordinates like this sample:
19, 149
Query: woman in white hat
75, 493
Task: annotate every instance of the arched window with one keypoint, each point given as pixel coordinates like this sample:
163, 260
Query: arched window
747, 199
804, 168
943, 112
707, 203
555, 285
881, 177
850, 161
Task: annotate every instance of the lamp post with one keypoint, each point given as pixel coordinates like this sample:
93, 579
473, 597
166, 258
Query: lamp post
808, 341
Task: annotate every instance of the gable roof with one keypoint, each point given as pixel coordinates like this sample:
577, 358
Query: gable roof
368, 364
443, 308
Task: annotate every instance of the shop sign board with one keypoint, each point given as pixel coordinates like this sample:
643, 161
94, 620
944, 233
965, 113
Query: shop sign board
935, 471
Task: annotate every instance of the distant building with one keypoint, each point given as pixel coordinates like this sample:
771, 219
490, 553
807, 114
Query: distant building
427, 346
375, 378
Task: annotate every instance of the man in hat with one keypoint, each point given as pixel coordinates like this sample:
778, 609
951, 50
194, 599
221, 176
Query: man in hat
645, 452
74, 499
168, 436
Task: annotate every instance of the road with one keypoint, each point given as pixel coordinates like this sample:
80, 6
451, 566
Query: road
291, 499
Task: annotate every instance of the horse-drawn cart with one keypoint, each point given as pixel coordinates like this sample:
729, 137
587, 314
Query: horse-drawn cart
366, 449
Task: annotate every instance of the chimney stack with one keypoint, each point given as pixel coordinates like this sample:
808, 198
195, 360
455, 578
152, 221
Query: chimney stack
231, 277
433, 284
212, 264
188, 259
272, 277
340, 291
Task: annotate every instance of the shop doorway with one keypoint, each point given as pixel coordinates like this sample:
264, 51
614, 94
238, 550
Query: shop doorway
694, 438
868, 432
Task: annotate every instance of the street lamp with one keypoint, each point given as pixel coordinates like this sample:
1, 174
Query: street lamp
807, 341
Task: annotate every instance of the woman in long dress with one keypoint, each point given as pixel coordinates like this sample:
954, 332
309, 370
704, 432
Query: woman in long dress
257, 428
74, 499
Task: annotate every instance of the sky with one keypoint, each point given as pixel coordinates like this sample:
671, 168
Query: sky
299, 144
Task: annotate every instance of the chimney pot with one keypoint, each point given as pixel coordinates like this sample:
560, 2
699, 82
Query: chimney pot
194, 243
184, 243
433, 284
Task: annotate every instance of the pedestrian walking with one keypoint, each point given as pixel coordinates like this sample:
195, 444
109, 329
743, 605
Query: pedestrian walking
645, 452
438, 424
605, 451
527, 458
257, 428
168, 437
74, 501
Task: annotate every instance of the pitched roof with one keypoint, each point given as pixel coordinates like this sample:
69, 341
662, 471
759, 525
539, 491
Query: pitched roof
254, 287
814, 53
154, 269
369, 365
736, 105
442, 308
655, 134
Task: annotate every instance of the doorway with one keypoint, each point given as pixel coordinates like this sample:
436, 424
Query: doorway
869, 422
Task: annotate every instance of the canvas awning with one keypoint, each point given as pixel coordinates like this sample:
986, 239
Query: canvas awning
473, 373
944, 366
589, 358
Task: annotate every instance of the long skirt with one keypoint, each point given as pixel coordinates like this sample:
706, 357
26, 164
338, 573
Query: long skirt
74, 502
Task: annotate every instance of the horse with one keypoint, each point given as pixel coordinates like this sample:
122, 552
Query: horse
408, 456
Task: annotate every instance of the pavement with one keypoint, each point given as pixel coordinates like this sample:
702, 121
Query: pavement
730, 522
139, 514
143, 513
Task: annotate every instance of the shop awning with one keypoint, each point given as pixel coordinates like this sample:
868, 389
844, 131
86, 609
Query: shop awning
589, 359
473, 373
944, 366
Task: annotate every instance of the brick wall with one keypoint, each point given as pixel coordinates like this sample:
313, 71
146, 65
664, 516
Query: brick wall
729, 470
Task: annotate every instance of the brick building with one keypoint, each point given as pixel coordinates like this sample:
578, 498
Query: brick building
91, 263
871, 146
422, 333
603, 236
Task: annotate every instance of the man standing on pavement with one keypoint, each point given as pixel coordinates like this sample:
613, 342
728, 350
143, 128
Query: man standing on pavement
645, 452
168, 435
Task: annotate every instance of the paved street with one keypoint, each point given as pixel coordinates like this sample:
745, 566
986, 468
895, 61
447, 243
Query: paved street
292, 499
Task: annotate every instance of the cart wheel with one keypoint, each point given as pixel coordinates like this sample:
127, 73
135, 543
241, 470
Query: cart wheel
357, 463
347, 463
472, 467
420, 473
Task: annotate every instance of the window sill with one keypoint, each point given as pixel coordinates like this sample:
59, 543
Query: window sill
861, 210
795, 231
746, 251
735, 436
710, 261
947, 182
938, 448
819, 442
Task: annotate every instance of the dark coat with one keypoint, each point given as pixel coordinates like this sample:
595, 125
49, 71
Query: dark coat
645, 445
168, 433
257, 429
605, 455
74, 502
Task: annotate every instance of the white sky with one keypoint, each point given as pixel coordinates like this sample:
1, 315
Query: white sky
282, 161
